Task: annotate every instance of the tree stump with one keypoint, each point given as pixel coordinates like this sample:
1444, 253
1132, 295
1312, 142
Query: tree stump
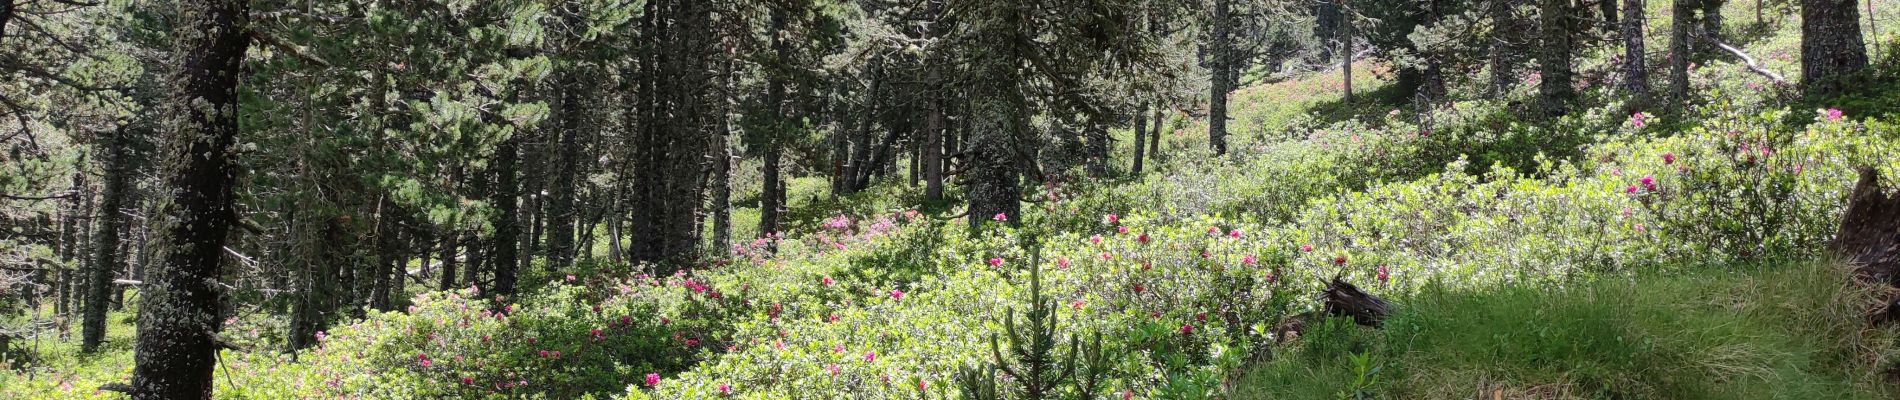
1869, 237
1344, 299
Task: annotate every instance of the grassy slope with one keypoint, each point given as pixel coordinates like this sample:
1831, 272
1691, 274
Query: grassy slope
1786, 332
1791, 331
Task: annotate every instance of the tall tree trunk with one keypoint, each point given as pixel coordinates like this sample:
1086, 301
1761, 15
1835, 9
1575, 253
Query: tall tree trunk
999, 129
106, 256
1831, 46
1220, 61
771, 194
932, 151
670, 184
1635, 65
1554, 91
722, 159
1505, 28
502, 253
561, 204
1346, 33
1682, 21
177, 346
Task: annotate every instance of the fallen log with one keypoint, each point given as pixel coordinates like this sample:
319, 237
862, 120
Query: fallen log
1344, 299
1338, 299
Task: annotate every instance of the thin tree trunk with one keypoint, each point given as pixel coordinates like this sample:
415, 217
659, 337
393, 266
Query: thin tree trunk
1219, 63
1141, 137
177, 346
1345, 48
106, 256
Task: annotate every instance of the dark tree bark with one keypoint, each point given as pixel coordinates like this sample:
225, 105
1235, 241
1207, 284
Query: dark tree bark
772, 194
1344, 299
1635, 65
1869, 235
106, 255
6, 15
1141, 137
999, 129
318, 248
561, 205
387, 261
1154, 137
179, 318
1831, 46
1554, 91
670, 178
1682, 16
1712, 19
1220, 63
502, 253
1505, 31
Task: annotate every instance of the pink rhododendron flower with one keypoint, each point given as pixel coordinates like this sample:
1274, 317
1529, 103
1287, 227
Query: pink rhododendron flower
1339, 260
1234, 234
996, 261
897, 294
653, 378
1096, 239
725, 389
692, 342
1001, 217
833, 368
1636, 120
831, 318
1121, 229
1307, 248
1062, 262
1669, 158
1834, 114
923, 385
1385, 274
1112, 218
1138, 288
839, 348
826, 281
1076, 304
1187, 329
870, 356
468, 381
570, 278
1247, 259
1213, 231
1630, 190
1143, 238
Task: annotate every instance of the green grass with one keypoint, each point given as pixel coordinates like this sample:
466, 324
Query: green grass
1793, 332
